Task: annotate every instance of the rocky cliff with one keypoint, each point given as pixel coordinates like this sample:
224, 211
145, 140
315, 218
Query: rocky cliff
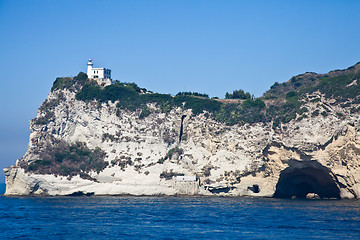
300, 138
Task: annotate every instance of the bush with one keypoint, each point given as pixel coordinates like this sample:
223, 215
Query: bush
81, 78
196, 94
67, 160
161, 161
315, 113
198, 105
89, 92
290, 94
251, 103
238, 94
169, 175
62, 82
144, 112
49, 116
274, 85
173, 151
48, 105
324, 113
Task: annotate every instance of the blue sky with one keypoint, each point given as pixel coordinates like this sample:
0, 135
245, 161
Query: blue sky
165, 46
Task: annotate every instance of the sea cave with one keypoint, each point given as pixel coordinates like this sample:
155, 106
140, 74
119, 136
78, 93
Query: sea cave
303, 178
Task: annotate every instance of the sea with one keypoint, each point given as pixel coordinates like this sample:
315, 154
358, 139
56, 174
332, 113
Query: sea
128, 217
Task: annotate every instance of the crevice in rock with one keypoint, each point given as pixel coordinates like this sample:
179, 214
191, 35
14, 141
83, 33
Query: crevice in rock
303, 177
331, 140
181, 127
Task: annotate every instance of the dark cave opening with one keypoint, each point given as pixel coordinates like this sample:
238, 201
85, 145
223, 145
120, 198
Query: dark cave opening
298, 181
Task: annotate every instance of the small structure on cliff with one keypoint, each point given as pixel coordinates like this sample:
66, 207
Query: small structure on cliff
187, 185
102, 75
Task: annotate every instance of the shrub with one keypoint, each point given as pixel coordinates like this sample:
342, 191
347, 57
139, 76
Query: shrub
169, 175
198, 105
251, 103
238, 94
67, 160
173, 151
302, 110
108, 136
81, 78
89, 92
49, 116
290, 94
196, 94
161, 161
274, 85
144, 112
315, 113
62, 82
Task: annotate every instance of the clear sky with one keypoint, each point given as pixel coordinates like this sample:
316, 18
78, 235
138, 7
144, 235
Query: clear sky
168, 46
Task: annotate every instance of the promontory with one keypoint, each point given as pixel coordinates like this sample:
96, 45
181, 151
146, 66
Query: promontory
300, 139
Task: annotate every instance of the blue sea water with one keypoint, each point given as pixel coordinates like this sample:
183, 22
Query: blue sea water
176, 218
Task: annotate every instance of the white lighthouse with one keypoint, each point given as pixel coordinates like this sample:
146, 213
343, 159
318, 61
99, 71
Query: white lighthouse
89, 67
102, 75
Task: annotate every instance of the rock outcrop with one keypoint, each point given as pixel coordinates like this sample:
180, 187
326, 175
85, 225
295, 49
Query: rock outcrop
317, 154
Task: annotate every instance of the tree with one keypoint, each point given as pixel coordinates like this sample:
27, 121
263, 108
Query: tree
238, 94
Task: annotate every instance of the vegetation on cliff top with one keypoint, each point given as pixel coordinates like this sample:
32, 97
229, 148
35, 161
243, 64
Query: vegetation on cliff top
238, 94
286, 100
128, 98
281, 104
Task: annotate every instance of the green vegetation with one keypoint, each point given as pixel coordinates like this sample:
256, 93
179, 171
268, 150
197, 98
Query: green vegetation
288, 98
145, 111
196, 94
280, 104
49, 116
161, 161
70, 83
123, 162
108, 136
62, 82
170, 174
128, 98
238, 94
49, 105
341, 87
67, 160
251, 110
173, 151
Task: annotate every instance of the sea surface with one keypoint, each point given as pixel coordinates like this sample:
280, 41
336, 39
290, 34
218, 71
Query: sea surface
176, 218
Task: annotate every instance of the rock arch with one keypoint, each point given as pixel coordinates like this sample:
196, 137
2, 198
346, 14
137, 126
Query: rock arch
303, 177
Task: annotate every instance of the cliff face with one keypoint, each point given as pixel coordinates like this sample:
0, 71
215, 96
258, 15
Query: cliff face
107, 150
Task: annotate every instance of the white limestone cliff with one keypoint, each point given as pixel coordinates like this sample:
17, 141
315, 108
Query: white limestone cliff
239, 160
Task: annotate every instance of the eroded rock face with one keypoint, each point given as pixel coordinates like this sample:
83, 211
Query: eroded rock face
314, 155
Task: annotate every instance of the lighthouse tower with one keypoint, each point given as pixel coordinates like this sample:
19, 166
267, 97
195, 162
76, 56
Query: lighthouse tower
89, 67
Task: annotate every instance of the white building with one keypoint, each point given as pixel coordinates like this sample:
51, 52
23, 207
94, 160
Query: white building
102, 74
187, 185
